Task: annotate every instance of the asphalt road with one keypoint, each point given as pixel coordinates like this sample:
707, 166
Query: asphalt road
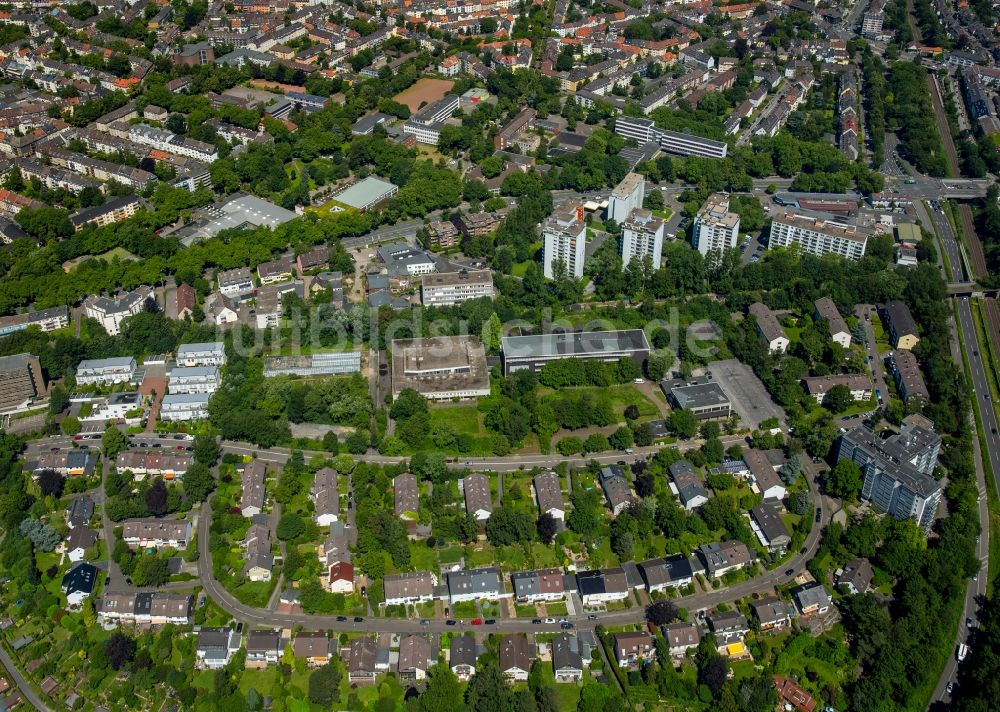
271, 619
27, 692
278, 455
871, 349
980, 386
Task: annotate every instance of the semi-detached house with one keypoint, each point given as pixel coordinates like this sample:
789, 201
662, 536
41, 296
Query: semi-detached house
539, 585
475, 584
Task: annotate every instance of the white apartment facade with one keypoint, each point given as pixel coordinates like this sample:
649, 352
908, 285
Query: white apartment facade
112, 312
818, 237
626, 197
104, 371
715, 228
235, 282
211, 353
450, 288
194, 379
565, 236
642, 236
184, 406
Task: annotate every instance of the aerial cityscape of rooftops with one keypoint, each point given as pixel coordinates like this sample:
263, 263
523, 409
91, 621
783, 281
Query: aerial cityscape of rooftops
549, 355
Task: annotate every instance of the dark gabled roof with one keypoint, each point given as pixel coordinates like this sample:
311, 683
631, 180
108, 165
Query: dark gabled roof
263, 640
80, 579
209, 638
81, 509
463, 650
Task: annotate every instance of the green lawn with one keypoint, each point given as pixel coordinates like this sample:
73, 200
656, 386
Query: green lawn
450, 554
622, 396
422, 557
463, 418
556, 608
882, 344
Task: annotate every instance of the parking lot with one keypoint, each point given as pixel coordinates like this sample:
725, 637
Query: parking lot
746, 393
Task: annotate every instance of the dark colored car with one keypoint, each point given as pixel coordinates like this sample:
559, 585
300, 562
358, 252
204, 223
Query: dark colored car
790, 572
536, 621
341, 619
490, 621
450, 622
359, 619
566, 626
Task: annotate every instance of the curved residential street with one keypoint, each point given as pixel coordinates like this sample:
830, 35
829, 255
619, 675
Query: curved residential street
263, 617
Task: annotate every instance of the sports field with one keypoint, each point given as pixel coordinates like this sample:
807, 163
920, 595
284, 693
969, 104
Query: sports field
425, 91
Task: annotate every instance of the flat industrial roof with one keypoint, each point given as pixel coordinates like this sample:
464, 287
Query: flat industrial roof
365, 192
697, 394
581, 343
439, 364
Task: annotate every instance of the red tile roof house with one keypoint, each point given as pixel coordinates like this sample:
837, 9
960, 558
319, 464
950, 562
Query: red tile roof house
793, 695
341, 578
318, 257
187, 299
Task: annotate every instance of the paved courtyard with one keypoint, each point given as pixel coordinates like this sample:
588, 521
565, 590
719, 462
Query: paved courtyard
746, 392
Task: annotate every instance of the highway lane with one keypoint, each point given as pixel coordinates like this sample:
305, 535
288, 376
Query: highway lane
951, 247
980, 386
976, 588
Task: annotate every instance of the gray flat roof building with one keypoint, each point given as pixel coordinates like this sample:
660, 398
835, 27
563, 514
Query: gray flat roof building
702, 396
441, 367
366, 193
533, 352
21, 381
243, 211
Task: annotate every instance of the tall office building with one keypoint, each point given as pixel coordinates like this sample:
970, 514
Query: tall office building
715, 228
642, 235
626, 197
565, 237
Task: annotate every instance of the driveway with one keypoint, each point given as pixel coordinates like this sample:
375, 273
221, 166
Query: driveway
866, 314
